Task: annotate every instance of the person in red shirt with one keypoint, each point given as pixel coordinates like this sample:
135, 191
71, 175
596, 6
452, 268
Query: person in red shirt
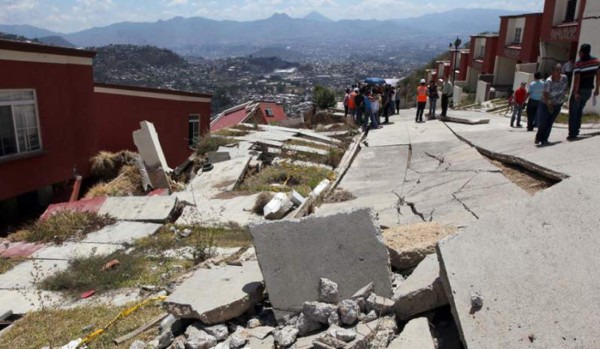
520, 96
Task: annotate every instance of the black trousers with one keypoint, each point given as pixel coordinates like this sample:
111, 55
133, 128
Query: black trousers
445, 100
397, 107
420, 111
532, 112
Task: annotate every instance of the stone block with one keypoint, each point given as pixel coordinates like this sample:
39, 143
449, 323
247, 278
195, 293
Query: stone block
218, 294
278, 207
422, 291
218, 156
320, 188
345, 248
149, 148
296, 198
416, 334
266, 343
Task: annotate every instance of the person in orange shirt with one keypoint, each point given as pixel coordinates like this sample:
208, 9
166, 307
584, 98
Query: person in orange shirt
352, 104
421, 100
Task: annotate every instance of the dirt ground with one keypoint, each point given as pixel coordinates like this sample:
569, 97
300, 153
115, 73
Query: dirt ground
526, 180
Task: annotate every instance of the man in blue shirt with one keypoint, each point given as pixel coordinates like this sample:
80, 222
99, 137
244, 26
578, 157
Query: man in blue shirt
535, 91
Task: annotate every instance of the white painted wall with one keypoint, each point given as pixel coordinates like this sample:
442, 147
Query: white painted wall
522, 77
590, 30
504, 71
482, 91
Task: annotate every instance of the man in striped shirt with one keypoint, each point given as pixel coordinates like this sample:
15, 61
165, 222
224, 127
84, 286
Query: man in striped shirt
587, 70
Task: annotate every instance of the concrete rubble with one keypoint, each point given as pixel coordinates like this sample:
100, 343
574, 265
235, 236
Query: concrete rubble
154, 209
150, 150
345, 248
233, 291
278, 207
422, 291
416, 334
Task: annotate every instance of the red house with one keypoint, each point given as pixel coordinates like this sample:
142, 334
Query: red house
518, 43
463, 59
264, 113
483, 50
53, 118
561, 25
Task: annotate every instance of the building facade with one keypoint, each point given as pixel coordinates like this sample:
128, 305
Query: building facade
54, 118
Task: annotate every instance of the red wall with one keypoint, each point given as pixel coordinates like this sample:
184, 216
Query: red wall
530, 44
548, 17
64, 100
117, 116
489, 58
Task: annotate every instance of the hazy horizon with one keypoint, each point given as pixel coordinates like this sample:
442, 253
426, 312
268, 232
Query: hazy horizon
68, 16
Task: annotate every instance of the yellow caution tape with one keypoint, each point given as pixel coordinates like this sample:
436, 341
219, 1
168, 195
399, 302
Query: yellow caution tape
125, 313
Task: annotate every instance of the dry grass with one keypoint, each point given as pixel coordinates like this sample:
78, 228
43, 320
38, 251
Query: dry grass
308, 144
261, 201
527, 180
339, 195
128, 182
58, 327
7, 264
334, 157
165, 239
135, 268
231, 132
585, 119
107, 165
64, 225
212, 143
285, 177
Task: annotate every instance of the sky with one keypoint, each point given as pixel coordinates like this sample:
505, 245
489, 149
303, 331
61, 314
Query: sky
66, 16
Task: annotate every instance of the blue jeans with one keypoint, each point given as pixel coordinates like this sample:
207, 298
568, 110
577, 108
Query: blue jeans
517, 112
432, 106
370, 115
576, 111
546, 116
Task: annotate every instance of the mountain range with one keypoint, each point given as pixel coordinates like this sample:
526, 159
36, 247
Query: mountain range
181, 34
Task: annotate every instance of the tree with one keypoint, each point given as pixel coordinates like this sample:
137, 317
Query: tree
323, 97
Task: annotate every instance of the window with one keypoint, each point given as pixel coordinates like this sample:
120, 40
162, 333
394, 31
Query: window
481, 51
193, 129
518, 33
19, 127
571, 9
269, 112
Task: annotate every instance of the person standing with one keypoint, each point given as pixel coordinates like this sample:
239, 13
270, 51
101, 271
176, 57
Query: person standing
421, 100
535, 91
585, 72
567, 69
553, 97
397, 100
446, 94
433, 97
359, 106
352, 103
346, 101
520, 96
370, 113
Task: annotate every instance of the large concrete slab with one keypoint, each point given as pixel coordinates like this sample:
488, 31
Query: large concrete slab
345, 248
415, 335
25, 301
535, 265
142, 208
219, 294
72, 250
25, 274
150, 150
217, 212
422, 291
122, 233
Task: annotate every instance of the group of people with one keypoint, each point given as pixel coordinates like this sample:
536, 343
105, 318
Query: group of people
432, 93
545, 98
367, 104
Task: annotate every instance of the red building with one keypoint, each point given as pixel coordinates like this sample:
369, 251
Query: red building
53, 118
518, 43
263, 113
561, 25
463, 59
482, 50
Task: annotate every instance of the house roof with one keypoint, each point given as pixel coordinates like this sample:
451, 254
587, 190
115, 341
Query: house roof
532, 14
243, 112
40, 48
278, 114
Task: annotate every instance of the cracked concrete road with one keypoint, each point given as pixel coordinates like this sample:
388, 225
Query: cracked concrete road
409, 173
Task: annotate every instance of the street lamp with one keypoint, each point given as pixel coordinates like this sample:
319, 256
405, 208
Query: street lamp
457, 43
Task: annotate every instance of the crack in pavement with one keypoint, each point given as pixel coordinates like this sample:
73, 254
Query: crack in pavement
440, 159
465, 206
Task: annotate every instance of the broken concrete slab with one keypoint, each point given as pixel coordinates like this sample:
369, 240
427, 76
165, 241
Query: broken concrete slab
306, 149
320, 188
466, 120
278, 207
296, 198
25, 274
422, 291
416, 334
218, 156
122, 233
217, 212
409, 244
71, 250
233, 291
156, 209
527, 272
25, 301
150, 150
345, 248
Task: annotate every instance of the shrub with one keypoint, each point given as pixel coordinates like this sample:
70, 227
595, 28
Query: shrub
129, 182
66, 224
107, 165
323, 97
261, 201
212, 143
